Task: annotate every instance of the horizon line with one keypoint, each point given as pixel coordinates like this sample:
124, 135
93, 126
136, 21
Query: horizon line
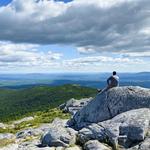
67, 72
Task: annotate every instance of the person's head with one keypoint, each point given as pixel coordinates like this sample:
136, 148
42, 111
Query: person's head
114, 72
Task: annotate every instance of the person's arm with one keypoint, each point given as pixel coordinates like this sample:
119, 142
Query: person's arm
108, 80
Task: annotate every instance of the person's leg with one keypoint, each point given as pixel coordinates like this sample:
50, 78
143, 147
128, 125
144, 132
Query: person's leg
105, 89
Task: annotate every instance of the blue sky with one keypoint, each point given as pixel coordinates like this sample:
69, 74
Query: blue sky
5, 2
74, 36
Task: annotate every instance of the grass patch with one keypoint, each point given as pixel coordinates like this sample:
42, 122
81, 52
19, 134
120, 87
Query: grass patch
6, 142
41, 117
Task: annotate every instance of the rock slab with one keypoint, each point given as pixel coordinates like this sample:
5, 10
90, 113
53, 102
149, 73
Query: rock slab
59, 135
110, 103
124, 129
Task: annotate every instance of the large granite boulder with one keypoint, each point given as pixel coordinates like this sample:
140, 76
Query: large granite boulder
59, 135
74, 105
110, 103
126, 129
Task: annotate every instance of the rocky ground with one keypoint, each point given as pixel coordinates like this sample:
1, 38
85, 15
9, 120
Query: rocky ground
118, 119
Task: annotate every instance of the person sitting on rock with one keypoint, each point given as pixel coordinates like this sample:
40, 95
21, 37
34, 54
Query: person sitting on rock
112, 81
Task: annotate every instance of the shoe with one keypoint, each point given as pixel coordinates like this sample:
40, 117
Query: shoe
99, 90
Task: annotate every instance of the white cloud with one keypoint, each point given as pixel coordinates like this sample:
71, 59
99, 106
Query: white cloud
143, 54
101, 3
99, 62
104, 64
102, 59
103, 25
86, 50
28, 58
26, 55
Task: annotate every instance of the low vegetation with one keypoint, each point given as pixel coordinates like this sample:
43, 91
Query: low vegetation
40, 117
6, 142
16, 104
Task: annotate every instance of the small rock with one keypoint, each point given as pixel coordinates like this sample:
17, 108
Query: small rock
23, 120
2, 126
6, 136
60, 122
43, 128
145, 145
28, 132
60, 148
73, 148
10, 147
33, 145
133, 148
95, 145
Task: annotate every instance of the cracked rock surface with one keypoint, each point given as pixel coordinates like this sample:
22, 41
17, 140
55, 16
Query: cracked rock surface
108, 104
125, 129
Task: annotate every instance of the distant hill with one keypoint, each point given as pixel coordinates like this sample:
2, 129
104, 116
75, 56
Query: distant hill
20, 102
96, 80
